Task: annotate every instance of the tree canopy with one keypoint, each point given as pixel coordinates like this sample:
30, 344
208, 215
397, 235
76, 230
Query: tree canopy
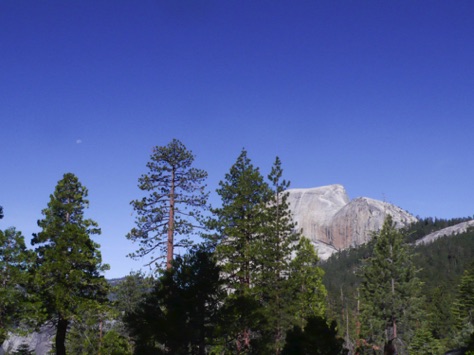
68, 270
168, 216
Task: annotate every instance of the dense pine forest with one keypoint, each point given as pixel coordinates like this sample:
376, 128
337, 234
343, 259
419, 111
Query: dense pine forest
445, 269
235, 279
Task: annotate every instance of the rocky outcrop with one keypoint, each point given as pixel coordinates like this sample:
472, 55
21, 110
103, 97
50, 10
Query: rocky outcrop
333, 222
446, 232
38, 342
313, 209
354, 224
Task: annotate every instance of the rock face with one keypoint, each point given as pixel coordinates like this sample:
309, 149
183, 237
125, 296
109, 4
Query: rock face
333, 222
446, 232
38, 342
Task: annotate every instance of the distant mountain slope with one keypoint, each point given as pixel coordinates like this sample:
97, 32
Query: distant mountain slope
462, 227
333, 222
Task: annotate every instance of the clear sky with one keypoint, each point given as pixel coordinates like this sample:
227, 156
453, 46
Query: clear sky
375, 95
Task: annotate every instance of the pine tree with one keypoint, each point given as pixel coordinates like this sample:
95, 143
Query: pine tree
389, 291
68, 267
167, 217
463, 309
15, 263
239, 225
306, 279
274, 251
180, 314
423, 342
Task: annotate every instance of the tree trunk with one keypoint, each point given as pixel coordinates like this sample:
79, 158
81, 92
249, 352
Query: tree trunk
61, 336
169, 257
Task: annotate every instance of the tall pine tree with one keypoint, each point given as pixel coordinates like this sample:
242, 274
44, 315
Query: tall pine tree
69, 264
172, 211
389, 291
239, 225
275, 249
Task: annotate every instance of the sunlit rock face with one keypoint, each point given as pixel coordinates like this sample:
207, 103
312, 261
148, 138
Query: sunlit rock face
333, 222
313, 209
355, 223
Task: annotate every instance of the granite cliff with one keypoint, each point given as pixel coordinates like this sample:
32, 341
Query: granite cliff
333, 222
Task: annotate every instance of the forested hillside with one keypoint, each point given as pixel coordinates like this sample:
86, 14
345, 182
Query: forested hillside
440, 268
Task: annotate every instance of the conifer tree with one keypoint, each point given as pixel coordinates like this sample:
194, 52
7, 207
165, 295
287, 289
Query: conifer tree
168, 216
463, 309
15, 262
389, 291
68, 266
239, 225
180, 314
306, 280
274, 248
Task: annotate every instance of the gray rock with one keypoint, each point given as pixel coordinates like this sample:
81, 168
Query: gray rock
333, 222
40, 342
355, 223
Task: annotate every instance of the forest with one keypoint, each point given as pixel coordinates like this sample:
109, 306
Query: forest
235, 279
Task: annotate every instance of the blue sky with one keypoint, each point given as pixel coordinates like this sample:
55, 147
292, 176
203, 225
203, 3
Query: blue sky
375, 95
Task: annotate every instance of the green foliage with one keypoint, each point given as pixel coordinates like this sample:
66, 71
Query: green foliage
114, 343
316, 338
15, 262
463, 309
168, 216
309, 293
256, 241
465, 302
179, 315
275, 248
424, 343
440, 265
131, 291
95, 330
389, 291
239, 225
238, 222
68, 267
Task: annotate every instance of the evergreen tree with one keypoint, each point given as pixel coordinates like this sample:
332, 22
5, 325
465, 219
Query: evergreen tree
15, 262
180, 314
239, 223
68, 265
274, 251
317, 338
463, 309
175, 203
424, 343
131, 291
97, 330
389, 292
306, 280
23, 349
